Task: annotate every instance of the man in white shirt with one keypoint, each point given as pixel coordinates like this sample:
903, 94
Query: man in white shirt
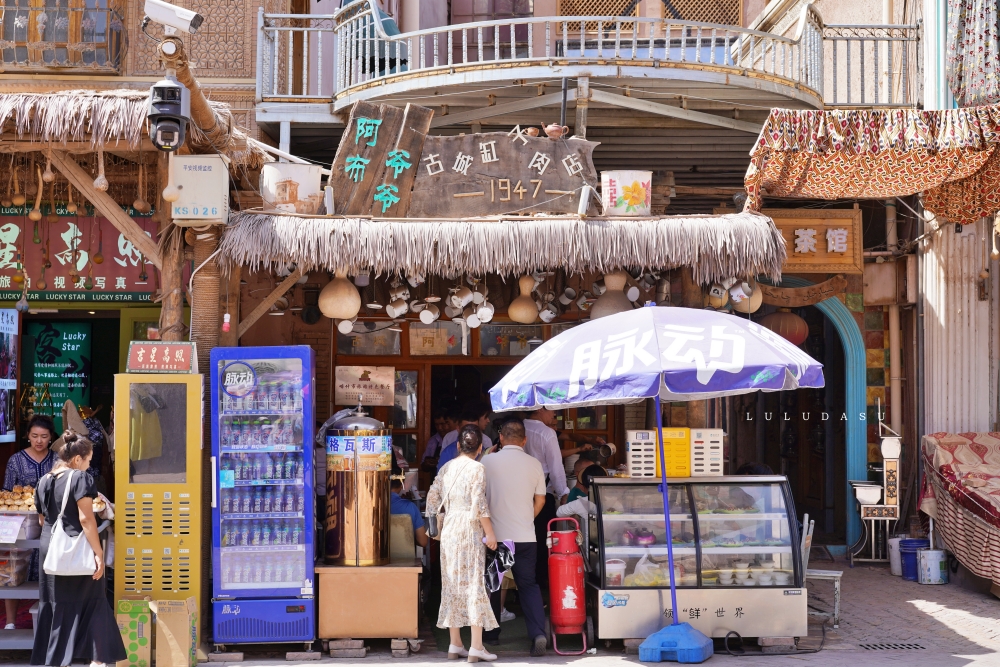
515, 492
542, 442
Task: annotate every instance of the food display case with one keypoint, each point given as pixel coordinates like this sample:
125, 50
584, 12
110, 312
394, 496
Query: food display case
737, 560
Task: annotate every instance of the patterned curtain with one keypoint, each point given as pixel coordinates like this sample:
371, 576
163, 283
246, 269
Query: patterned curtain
950, 155
973, 52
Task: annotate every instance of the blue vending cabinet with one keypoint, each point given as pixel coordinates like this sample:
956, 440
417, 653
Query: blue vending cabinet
262, 495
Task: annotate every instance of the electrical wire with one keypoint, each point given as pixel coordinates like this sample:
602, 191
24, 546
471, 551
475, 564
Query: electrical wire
743, 652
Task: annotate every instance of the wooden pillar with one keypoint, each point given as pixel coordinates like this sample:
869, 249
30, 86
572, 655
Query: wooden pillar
582, 106
697, 411
172, 326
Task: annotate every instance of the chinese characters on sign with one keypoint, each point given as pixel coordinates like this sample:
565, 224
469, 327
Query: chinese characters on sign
10, 351
123, 277
161, 357
819, 240
374, 384
358, 452
62, 358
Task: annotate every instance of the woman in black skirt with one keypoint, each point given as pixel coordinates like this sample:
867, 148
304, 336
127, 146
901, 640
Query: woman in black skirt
75, 620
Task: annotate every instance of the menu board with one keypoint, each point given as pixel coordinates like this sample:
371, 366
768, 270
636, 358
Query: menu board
62, 356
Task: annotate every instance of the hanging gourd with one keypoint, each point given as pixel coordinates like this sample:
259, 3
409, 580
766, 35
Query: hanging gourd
53, 216
613, 300
70, 204
48, 176
98, 257
36, 213
523, 309
101, 182
140, 204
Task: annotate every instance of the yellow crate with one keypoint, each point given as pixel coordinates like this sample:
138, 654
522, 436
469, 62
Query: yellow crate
643, 457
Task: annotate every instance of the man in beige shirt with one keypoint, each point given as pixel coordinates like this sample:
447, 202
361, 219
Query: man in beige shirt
515, 492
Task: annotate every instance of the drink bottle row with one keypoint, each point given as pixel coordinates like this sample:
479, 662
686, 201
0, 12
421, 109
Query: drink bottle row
253, 432
262, 466
270, 395
262, 532
288, 567
263, 500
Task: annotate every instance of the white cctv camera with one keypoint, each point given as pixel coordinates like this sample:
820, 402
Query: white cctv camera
173, 17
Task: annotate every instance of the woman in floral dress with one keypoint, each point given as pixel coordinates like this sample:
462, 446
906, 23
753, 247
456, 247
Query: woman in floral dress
458, 497
25, 468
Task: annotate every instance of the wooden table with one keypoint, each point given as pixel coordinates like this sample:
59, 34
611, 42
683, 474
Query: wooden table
379, 602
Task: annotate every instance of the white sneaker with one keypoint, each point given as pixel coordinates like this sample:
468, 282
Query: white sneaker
9, 626
475, 655
506, 616
456, 652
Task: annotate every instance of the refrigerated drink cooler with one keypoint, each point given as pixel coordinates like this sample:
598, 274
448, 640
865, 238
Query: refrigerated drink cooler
262, 495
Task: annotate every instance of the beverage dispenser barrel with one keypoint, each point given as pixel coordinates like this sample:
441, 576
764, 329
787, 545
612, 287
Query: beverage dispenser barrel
358, 466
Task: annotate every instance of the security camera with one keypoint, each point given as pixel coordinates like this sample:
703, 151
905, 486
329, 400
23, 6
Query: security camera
173, 17
169, 113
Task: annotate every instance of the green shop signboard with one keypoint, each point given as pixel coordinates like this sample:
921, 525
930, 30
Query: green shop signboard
62, 359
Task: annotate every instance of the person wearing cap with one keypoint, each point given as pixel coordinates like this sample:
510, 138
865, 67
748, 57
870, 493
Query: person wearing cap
542, 442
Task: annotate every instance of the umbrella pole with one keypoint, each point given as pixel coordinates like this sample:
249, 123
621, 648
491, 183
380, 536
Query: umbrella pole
666, 510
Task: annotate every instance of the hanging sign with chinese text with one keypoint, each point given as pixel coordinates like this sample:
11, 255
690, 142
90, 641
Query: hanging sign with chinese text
10, 350
62, 357
158, 356
374, 384
829, 240
71, 243
498, 173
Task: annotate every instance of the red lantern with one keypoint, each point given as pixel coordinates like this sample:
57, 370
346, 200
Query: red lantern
788, 325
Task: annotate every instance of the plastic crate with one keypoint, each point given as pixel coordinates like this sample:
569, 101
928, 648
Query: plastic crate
707, 452
14, 566
643, 456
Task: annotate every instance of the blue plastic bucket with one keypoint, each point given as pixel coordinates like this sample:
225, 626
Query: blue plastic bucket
908, 554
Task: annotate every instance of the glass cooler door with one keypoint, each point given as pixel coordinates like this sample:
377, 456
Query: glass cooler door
261, 514
745, 536
634, 535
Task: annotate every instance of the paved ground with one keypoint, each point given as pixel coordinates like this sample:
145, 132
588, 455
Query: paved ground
954, 627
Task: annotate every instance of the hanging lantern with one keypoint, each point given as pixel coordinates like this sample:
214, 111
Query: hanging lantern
340, 299
613, 300
523, 308
788, 325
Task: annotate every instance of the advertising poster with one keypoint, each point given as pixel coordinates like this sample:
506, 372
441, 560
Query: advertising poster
9, 350
62, 359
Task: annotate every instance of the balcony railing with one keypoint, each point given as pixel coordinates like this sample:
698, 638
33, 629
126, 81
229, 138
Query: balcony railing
46, 38
353, 51
872, 65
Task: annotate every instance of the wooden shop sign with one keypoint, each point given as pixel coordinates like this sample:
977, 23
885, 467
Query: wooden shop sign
158, 356
827, 240
387, 166
797, 297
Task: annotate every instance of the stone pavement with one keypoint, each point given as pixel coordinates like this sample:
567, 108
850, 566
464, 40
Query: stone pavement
954, 628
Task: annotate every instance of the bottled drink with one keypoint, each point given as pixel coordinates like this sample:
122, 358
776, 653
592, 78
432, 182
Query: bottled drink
238, 467
285, 395
296, 533
268, 471
267, 504
258, 500
279, 571
227, 570
255, 533
258, 571
282, 532
300, 501
290, 466
258, 467
279, 466
247, 570
290, 568
273, 396
265, 533
244, 533
289, 505
299, 467
246, 500
268, 569
299, 569
227, 501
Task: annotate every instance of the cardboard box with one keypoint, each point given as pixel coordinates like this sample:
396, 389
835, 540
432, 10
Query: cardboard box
135, 622
176, 632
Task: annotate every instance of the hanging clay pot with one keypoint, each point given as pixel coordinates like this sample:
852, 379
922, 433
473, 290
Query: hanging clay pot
613, 300
340, 299
523, 308
36, 213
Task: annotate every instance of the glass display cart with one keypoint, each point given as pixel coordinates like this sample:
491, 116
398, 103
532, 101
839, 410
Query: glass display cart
737, 560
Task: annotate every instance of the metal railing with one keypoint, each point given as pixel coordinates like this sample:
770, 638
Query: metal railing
872, 65
364, 54
352, 50
59, 37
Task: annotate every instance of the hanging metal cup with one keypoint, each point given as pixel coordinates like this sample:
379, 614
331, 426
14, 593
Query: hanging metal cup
417, 305
485, 311
567, 297
461, 298
471, 318
430, 314
548, 313
740, 292
479, 296
451, 312
346, 326
633, 293
397, 308
598, 287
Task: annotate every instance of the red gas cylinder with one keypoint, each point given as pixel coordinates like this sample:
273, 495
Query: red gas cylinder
567, 604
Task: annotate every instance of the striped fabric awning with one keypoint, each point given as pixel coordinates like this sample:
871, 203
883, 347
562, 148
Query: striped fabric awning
950, 155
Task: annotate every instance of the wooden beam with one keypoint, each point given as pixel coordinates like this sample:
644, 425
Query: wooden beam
107, 207
268, 301
672, 112
117, 148
502, 109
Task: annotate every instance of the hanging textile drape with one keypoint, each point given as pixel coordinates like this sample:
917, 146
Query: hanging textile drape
973, 51
950, 155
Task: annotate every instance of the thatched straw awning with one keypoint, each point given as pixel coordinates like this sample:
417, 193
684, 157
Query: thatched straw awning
715, 246
103, 118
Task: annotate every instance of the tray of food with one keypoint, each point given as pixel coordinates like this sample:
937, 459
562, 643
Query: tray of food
21, 499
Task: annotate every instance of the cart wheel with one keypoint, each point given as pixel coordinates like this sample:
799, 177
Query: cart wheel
590, 633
